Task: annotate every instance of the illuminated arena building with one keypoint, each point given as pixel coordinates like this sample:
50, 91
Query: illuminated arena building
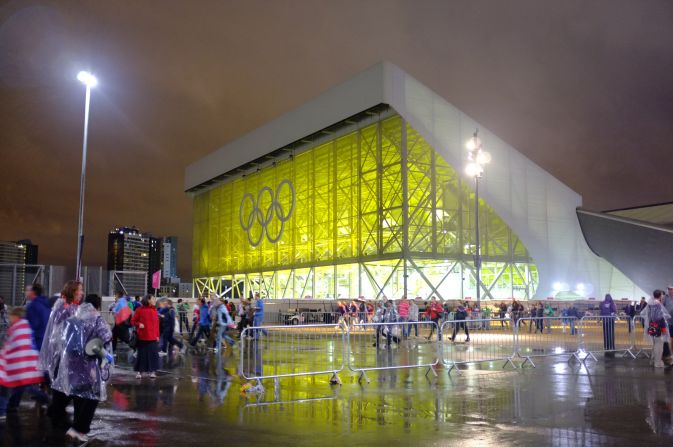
362, 192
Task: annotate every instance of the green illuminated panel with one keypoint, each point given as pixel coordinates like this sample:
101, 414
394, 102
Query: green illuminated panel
342, 227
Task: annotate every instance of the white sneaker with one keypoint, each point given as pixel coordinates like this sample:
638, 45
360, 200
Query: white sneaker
77, 436
162, 354
139, 376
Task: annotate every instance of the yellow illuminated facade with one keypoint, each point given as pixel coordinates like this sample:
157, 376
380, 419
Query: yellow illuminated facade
370, 210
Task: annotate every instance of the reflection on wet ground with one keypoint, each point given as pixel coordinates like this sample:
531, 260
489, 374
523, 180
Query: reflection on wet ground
197, 401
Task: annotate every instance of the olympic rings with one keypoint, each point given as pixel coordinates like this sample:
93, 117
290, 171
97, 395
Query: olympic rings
264, 218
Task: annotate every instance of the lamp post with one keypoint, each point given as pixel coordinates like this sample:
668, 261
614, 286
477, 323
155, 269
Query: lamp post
476, 159
89, 81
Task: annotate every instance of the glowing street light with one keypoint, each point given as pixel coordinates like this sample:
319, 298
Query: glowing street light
90, 81
476, 159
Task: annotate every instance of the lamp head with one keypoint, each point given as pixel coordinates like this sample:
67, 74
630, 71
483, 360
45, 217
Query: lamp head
87, 79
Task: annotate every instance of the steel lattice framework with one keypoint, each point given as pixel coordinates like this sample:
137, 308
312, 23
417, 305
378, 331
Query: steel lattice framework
374, 211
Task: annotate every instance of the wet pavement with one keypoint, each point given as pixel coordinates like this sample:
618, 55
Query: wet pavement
197, 400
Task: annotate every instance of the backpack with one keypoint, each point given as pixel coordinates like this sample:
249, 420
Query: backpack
656, 328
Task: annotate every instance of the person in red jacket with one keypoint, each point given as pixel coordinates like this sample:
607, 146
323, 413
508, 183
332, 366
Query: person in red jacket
434, 313
146, 322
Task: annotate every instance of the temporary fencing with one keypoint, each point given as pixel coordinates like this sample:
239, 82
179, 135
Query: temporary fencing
272, 352
547, 336
604, 334
641, 344
497, 343
388, 346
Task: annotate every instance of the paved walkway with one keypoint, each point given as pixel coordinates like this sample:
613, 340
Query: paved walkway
197, 401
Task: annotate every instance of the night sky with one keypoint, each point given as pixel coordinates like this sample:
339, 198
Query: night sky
585, 89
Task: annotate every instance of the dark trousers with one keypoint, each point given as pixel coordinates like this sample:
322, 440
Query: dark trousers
10, 398
203, 331
609, 334
120, 332
432, 329
183, 319
168, 340
83, 414
459, 326
389, 336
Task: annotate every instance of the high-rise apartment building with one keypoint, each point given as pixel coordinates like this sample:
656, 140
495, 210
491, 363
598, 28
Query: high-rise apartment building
155, 261
14, 256
169, 263
129, 251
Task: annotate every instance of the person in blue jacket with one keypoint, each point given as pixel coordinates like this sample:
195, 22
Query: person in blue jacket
37, 312
204, 322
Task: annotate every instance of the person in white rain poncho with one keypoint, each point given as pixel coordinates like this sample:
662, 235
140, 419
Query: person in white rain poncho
656, 327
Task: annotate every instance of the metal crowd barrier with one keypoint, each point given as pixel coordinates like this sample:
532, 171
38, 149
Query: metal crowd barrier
604, 334
546, 337
485, 345
319, 318
641, 343
387, 346
272, 352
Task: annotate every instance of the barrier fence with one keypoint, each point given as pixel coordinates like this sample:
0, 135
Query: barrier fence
388, 346
334, 342
547, 336
272, 352
605, 334
481, 341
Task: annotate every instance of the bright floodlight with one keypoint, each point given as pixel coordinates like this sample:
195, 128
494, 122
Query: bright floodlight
87, 78
473, 169
483, 158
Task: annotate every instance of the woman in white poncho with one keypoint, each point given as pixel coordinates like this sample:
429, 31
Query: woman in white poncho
655, 312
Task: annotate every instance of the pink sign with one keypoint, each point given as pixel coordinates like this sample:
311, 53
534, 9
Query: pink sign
156, 279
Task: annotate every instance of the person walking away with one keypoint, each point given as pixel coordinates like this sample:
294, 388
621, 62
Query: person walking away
403, 312
37, 313
162, 310
608, 311
196, 317
434, 312
82, 378
258, 320
224, 323
204, 323
182, 314
460, 323
656, 320
390, 316
168, 334
378, 318
630, 312
539, 322
413, 317
533, 318
573, 315
548, 313
122, 316
146, 322
19, 371
53, 342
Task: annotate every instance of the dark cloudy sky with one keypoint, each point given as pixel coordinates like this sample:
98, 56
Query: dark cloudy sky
584, 88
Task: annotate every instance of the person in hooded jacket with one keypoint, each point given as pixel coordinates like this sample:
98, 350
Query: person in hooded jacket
37, 313
656, 313
608, 312
82, 377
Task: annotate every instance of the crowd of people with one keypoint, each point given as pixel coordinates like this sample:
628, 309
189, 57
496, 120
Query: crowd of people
60, 351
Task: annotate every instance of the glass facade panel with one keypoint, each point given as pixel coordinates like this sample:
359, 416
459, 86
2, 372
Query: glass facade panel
347, 217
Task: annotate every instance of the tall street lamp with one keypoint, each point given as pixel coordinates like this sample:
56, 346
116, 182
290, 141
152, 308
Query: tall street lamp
89, 81
477, 158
